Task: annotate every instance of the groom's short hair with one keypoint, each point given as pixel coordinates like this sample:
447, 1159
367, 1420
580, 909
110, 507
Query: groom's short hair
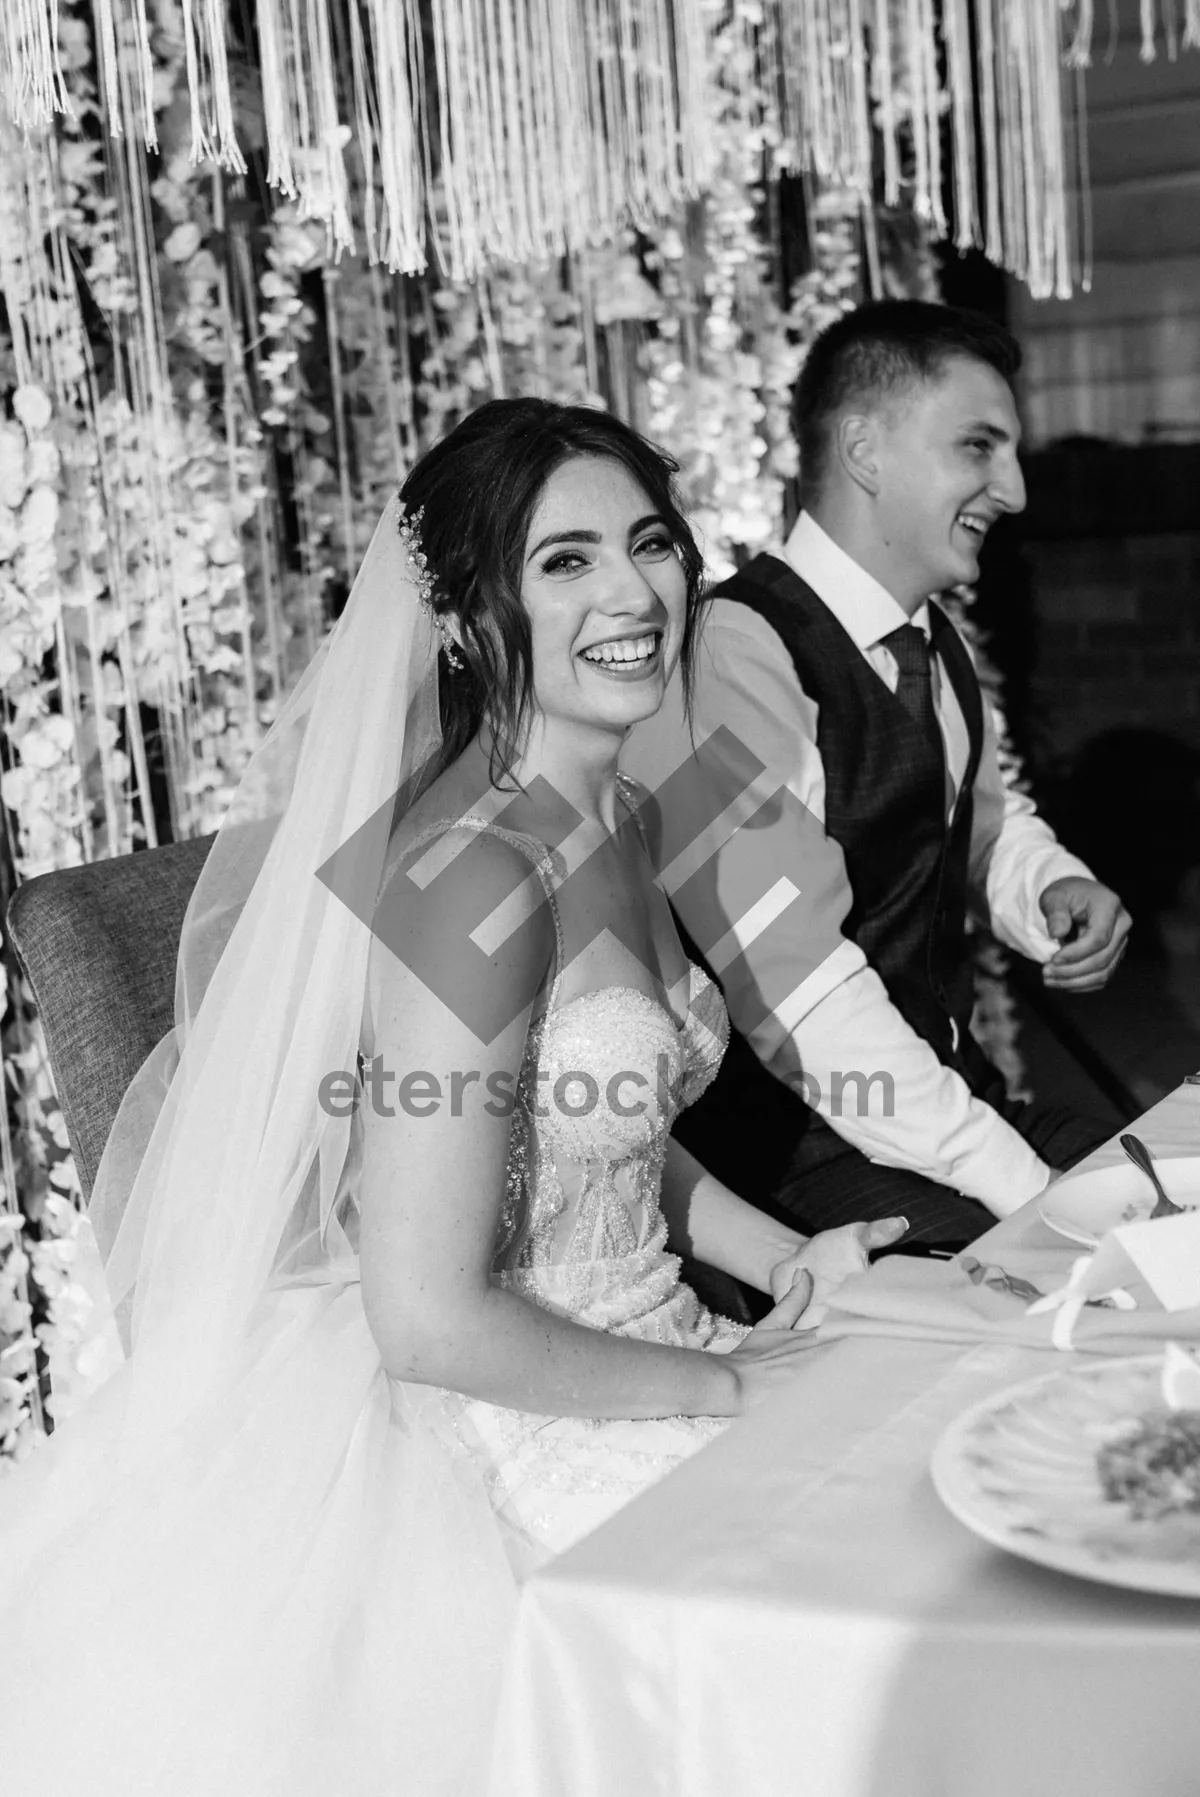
870, 355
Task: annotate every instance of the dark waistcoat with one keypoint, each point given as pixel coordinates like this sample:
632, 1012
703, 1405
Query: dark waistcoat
885, 804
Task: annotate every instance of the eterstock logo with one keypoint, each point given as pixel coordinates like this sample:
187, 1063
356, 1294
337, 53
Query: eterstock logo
729, 904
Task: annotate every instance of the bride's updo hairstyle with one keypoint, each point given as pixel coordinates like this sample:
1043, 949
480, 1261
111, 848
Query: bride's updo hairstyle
477, 491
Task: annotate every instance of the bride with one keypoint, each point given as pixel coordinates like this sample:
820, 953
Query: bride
387, 1218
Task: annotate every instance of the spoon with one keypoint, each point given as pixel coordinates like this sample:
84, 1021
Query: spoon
1140, 1155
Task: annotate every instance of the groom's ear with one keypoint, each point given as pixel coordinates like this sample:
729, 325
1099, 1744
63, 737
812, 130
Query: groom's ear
857, 448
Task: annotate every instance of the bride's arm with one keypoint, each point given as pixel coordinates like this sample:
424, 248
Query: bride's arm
708, 1221
433, 1185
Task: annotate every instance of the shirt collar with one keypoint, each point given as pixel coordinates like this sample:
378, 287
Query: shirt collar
864, 608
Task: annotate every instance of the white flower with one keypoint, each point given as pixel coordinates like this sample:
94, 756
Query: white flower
183, 242
626, 293
293, 246
16, 1262
32, 407
74, 43
43, 462
71, 364
39, 515
35, 566
46, 742
204, 271
16, 784
13, 479
15, 1315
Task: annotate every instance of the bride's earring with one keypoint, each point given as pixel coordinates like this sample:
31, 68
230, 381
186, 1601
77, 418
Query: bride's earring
410, 535
455, 659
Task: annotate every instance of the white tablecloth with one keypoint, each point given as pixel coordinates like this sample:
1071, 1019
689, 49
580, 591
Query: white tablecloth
794, 1612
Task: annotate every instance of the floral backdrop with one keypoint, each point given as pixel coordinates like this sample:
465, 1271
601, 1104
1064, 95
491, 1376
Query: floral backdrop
204, 401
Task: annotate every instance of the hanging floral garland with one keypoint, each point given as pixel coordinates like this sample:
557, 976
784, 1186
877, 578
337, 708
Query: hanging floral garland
205, 405
719, 353
91, 628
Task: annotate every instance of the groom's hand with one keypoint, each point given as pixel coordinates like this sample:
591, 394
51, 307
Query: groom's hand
1091, 925
831, 1258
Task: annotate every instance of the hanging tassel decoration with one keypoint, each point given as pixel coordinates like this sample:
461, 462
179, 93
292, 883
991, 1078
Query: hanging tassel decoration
30, 70
1078, 54
133, 42
957, 27
214, 137
825, 92
306, 137
389, 114
558, 123
858, 171
927, 113
882, 62
562, 120
1191, 25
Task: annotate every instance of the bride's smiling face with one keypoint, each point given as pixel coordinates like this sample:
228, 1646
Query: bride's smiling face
605, 594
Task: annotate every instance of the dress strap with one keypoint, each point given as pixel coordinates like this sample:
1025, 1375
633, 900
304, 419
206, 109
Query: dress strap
537, 853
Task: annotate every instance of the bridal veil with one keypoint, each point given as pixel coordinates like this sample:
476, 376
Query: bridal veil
251, 1564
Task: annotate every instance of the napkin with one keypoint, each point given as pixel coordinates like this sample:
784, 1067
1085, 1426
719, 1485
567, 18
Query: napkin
1165, 1251
971, 1300
1160, 1254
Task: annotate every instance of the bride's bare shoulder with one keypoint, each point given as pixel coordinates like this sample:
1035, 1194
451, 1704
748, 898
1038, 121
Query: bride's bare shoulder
450, 870
455, 810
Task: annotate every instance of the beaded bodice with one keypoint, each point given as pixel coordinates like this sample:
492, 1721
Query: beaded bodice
603, 1078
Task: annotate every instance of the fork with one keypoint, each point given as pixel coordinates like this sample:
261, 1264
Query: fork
1141, 1157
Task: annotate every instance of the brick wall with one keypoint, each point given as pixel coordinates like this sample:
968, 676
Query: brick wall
1117, 638
1092, 598
1111, 543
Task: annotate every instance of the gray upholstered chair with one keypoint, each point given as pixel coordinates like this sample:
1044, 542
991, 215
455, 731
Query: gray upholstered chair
98, 944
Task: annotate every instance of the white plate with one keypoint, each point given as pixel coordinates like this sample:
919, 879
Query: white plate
1020, 1471
1084, 1206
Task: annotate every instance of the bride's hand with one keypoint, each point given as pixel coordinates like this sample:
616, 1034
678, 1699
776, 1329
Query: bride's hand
833, 1257
767, 1355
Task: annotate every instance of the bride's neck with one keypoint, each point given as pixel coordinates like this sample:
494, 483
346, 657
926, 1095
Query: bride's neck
556, 765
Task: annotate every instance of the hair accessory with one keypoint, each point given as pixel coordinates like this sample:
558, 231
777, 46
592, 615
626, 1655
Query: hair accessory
410, 536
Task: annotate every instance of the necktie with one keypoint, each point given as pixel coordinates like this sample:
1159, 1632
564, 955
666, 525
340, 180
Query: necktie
915, 687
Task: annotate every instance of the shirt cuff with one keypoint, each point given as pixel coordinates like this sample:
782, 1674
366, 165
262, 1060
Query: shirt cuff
1004, 1172
1015, 914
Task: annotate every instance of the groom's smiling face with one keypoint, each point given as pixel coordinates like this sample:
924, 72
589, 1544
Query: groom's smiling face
946, 467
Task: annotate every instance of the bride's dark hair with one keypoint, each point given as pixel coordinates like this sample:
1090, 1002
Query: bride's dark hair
478, 490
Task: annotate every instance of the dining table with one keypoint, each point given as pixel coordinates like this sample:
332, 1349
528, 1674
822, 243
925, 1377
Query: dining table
794, 1612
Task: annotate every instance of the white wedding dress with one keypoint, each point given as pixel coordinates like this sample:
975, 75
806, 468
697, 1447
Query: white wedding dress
306, 1590
581, 1234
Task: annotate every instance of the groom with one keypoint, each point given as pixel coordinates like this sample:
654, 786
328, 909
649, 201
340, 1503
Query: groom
833, 908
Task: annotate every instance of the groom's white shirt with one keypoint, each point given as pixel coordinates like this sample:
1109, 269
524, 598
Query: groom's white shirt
836, 1017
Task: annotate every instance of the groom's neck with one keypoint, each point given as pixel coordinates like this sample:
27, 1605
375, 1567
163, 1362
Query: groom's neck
851, 525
